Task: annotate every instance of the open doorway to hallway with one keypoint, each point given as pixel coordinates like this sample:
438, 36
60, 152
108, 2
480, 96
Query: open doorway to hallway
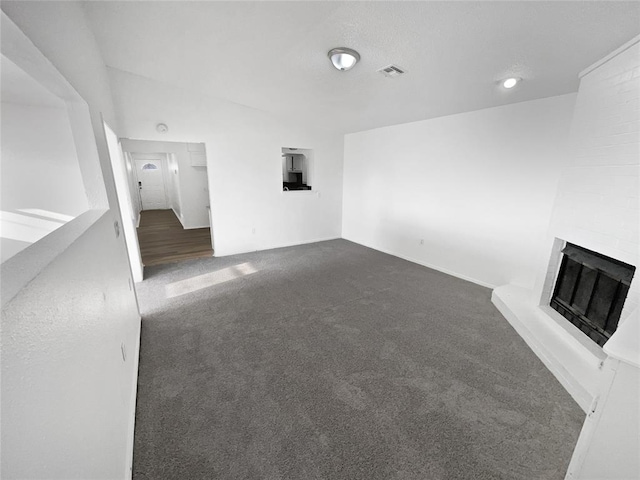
169, 192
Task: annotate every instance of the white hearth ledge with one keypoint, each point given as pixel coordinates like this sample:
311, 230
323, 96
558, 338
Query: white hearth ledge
575, 360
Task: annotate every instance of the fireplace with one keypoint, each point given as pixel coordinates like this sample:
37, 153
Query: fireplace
590, 291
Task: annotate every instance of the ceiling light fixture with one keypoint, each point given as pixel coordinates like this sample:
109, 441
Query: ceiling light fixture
511, 82
343, 58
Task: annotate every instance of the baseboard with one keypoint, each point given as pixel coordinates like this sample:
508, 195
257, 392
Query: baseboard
274, 246
306, 242
425, 264
325, 239
196, 227
184, 227
134, 395
178, 217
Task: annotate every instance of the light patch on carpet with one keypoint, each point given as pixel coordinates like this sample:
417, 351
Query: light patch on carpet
206, 280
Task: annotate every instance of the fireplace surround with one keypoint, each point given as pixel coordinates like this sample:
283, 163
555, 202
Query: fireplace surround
590, 291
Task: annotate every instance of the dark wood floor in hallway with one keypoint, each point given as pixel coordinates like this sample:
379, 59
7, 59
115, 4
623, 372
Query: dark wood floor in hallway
163, 240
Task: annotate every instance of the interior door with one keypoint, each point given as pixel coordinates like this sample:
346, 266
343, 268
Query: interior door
150, 175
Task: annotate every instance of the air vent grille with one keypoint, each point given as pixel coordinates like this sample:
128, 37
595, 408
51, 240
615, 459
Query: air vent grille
391, 71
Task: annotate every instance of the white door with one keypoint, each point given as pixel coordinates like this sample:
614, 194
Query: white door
151, 184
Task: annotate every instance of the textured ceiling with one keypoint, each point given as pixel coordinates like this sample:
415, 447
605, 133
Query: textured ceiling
272, 55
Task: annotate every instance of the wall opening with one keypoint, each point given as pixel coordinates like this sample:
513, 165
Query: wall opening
42, 186
52, 186
296, 169
169, 186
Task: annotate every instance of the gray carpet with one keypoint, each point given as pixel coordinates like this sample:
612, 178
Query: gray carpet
334, 361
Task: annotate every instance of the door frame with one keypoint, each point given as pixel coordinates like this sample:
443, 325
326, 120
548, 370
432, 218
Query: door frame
123, 194
141, 147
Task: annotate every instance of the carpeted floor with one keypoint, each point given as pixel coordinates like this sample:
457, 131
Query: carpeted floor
334, 361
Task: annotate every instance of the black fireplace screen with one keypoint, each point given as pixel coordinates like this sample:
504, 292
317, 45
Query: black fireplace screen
590, 291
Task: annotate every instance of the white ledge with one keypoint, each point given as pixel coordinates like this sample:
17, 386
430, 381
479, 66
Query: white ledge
573, 359
25, 265
301, 192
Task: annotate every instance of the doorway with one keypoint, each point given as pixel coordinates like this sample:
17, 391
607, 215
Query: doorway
169, 185
150, 175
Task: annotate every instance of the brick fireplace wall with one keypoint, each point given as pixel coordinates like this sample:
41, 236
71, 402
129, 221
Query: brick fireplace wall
596, 207
597, 204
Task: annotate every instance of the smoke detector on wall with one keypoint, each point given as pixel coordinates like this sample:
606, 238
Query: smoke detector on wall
162, 128
391, 71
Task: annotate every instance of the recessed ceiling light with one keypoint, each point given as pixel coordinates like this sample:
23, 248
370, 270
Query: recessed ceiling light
343, 58
511, 82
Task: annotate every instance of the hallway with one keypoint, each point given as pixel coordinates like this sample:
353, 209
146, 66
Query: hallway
163, 240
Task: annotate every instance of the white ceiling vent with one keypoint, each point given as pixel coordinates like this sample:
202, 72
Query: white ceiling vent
391, 71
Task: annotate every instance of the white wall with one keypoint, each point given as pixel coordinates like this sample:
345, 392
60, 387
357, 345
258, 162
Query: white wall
39, 172
609, 442
136, 206
244, 155
478, 187
66, 390
188, 188
39, 162
68, 397
121, 176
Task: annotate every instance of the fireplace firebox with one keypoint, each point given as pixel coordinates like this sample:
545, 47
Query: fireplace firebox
590, 291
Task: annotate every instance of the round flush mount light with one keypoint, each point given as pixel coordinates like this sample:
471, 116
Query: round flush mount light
343, 58
162, 128
511, 82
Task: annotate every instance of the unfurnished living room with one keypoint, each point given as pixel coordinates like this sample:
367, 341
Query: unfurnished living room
320, 240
